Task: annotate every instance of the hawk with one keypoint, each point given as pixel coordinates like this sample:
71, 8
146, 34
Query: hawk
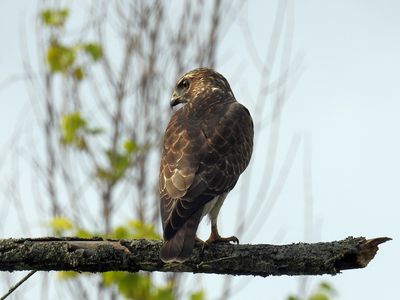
207, 145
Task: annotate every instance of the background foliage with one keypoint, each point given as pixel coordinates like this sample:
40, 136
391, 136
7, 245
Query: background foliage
100, 90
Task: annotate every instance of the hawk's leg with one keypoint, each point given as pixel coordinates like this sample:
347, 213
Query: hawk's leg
213, 214
216, 238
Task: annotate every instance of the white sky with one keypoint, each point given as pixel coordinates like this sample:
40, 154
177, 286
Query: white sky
347, 100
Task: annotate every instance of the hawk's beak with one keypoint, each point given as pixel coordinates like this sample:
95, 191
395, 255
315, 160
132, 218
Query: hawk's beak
175, 99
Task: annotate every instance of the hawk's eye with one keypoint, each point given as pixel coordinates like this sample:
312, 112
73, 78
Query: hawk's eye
183, 84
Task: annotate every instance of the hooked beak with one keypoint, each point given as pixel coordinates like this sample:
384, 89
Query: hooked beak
176, 99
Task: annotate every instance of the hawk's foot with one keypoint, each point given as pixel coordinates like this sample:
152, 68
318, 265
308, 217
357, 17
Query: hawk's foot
216, 238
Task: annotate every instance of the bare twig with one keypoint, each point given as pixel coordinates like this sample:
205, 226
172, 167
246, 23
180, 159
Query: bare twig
13, 288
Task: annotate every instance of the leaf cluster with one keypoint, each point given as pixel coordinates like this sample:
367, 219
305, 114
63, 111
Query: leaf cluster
63, 58
324, 291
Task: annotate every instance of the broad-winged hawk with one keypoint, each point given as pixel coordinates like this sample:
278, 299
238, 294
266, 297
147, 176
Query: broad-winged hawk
207, 145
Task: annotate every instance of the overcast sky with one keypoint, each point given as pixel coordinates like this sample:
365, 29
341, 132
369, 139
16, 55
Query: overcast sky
345, 107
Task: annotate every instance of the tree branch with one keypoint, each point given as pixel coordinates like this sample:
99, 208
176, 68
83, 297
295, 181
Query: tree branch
98, 255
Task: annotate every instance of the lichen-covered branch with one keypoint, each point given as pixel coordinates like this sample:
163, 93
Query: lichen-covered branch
98, 255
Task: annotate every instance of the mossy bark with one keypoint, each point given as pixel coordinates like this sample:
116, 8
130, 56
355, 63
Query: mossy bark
98, 255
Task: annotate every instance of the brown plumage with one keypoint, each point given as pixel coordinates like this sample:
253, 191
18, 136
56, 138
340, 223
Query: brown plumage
207, 145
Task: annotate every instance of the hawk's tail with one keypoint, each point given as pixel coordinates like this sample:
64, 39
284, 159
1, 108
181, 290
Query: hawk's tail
180, 246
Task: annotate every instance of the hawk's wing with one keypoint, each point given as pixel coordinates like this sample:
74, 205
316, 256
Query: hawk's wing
202, 158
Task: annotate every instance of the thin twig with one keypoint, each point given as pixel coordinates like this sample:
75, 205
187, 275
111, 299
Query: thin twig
13, 288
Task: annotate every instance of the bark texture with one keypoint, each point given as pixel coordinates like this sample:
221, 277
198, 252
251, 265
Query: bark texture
98, 255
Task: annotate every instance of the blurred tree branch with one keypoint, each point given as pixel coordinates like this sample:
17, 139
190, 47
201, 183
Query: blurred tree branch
99, 83
98, 255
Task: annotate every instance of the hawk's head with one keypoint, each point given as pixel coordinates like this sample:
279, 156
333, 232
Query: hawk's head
202, 82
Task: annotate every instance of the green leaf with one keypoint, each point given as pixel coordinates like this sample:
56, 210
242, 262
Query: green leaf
141, 230
199, 295
164, 294
72, 127
104, 174
78, 73
120, 232
80, 143
118, 164
82, 233
318, 296
109, 278
135, 286
60, 58
130, 146
66, 275
60, 224
135, 229
293, 298
54, 17
93, 50
327, 288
